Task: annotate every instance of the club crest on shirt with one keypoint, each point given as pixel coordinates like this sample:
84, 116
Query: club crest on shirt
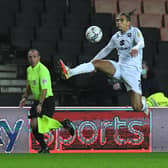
129, 34
44, 81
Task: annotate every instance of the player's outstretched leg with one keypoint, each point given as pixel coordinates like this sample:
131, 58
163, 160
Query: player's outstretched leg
67, 125
80, 69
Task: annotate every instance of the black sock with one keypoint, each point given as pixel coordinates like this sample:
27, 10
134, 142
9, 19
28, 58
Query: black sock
40, 139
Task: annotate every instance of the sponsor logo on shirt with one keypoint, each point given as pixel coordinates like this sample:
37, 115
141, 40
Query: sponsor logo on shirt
124, 45
129, 34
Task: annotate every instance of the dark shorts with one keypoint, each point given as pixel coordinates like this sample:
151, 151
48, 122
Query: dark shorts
47, 108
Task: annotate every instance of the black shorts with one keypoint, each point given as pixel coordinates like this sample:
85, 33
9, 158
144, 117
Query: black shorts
47, 108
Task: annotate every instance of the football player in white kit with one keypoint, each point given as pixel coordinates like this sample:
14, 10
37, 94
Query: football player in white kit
129, 43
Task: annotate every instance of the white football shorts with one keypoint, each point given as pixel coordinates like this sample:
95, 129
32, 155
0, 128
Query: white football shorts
129, 75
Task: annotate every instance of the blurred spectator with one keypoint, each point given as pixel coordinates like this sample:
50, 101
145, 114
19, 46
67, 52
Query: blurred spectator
151, 89
150, 84
157, 100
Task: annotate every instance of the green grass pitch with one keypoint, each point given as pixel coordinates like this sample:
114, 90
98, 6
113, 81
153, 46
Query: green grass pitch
85, 160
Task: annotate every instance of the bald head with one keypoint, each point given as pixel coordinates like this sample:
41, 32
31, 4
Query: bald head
34, 51
33, 57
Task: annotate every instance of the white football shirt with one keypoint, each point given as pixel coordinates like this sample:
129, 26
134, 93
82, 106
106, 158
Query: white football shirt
124, 42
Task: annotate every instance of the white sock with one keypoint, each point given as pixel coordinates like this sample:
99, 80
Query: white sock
144, 104
82, 68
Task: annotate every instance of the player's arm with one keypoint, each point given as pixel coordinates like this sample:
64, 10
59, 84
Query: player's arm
42, 98
25, 96
44, 82
27, 91
139, 40
106, 50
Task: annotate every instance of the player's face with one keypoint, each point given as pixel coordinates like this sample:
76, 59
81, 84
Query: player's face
122, 23
33, 58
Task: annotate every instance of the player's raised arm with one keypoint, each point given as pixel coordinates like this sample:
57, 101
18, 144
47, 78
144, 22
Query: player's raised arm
106, 50
139, 42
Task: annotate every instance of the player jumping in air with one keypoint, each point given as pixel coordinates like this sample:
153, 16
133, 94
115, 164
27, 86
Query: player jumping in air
129, 43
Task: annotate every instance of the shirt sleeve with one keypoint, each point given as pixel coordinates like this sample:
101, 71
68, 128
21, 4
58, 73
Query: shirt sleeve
139, 40
27, 76
44, 78
106, 50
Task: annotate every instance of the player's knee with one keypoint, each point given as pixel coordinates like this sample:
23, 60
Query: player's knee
96, 63
137, 107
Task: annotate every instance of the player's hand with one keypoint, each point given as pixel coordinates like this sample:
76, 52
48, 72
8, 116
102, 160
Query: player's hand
22, 102
39, 108
134, 52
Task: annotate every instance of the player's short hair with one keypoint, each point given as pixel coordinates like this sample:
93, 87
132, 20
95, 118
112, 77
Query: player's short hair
34, 50
127, 14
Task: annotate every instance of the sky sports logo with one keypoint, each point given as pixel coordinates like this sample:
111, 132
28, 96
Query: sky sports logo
95, 131
9, 135
101, 131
